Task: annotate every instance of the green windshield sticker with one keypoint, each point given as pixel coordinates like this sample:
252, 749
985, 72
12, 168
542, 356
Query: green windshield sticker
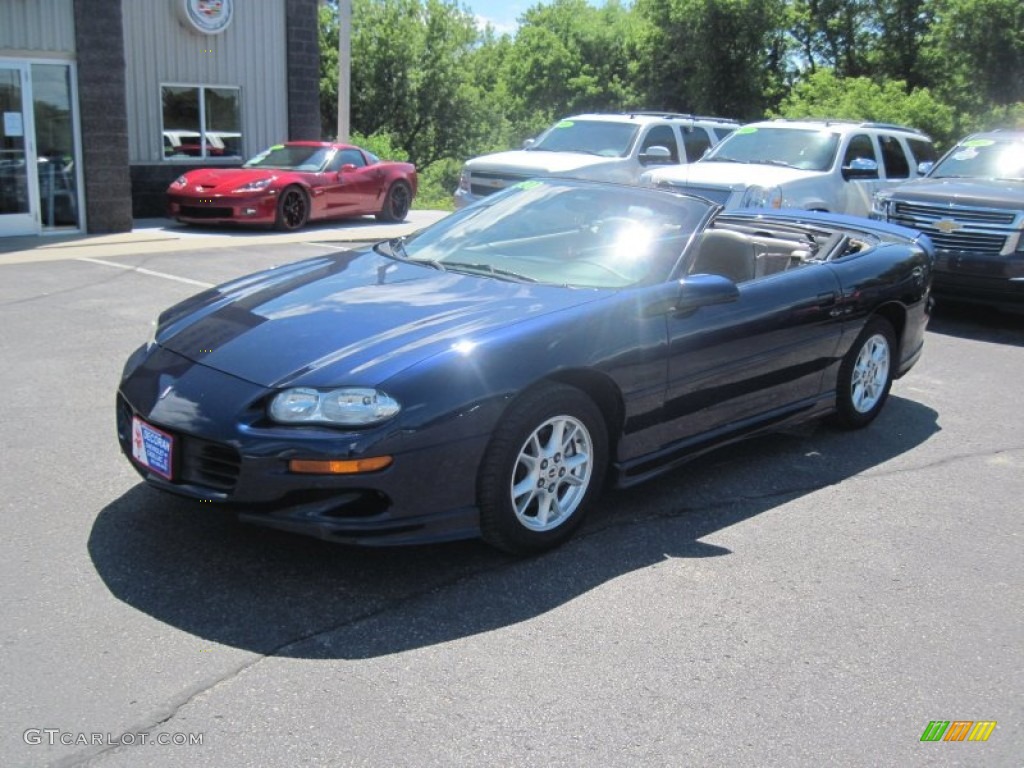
747, 129
565, 124
277, 146
528, 184
978, 143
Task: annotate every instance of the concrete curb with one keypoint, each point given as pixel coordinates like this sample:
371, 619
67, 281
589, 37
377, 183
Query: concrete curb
165, 236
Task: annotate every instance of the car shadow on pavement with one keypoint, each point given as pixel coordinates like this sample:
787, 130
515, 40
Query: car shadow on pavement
977, 323
192, 566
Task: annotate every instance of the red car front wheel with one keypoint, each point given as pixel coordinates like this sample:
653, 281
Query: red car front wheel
292, 210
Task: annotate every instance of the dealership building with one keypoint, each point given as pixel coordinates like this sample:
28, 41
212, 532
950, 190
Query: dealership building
104, 102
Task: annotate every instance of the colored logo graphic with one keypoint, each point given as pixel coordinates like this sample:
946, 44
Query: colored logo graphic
958, 730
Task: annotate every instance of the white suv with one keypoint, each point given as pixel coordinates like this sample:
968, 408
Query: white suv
819, 165
607, 147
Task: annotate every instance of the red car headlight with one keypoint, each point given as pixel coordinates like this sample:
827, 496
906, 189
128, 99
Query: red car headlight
254, 186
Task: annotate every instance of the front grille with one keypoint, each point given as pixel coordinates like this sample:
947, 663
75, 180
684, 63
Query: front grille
483, 183
958, 229
973, 242
960, 214
209, 464
211, 212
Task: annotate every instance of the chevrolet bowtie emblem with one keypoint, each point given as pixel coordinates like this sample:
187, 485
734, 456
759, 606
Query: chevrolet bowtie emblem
945, 226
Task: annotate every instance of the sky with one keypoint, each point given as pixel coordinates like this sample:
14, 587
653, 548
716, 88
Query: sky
500, 13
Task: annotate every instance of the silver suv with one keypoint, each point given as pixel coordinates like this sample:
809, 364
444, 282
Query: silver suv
821, 165
605, 147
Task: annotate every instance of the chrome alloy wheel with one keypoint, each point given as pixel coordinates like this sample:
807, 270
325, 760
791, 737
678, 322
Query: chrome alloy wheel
870, 373
552, 473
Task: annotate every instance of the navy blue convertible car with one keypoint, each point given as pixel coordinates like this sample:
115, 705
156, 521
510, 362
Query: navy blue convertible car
489, 374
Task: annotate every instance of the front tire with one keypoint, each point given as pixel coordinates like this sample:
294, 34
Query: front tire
292, 210
396, 203
542, 470
865, 375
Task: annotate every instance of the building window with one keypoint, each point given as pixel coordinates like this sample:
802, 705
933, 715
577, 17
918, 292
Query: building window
201, 122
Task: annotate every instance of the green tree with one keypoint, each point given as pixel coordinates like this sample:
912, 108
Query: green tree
823, 94
975, 50
567, 57
722, 57
411, 78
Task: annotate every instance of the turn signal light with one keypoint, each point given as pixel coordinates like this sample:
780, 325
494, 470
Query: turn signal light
348, 467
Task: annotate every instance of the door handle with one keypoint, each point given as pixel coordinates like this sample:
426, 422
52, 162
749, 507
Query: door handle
826, 299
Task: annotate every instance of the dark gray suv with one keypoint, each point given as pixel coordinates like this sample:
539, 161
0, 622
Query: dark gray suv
971, 205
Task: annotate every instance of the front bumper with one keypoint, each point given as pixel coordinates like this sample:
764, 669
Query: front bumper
255, 209
226, 453
997, 281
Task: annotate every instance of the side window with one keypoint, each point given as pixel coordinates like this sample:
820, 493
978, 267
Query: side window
661, 136
860, 147
696, 142
896, 164
347, 157
923, 151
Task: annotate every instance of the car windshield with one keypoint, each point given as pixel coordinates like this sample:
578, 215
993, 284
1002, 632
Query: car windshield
808, 149
595, 137
983, 159
292, 158
563, 233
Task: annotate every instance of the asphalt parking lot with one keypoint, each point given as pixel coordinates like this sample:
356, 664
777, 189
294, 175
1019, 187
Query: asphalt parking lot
814, 598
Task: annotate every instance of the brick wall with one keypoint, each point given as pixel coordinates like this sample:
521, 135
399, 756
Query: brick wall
303, 70
99, 44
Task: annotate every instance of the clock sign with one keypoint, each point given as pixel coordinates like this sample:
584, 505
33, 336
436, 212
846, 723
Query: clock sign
208, 17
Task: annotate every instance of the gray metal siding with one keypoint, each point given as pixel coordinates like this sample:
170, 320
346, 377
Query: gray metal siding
250, 54
46, 27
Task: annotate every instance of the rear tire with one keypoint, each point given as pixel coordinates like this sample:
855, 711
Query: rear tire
542, 470
865, 375
396, 203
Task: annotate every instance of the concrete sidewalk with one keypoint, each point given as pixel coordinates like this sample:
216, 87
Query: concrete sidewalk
166, 235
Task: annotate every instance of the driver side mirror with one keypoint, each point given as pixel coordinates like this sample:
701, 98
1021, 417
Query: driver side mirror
656, 155
861, 168
529, 143
923, 168
696, 291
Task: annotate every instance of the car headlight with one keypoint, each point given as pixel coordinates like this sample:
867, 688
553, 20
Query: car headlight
880, 204
761, 197
254, 186
348, 406
464, 181
181, 181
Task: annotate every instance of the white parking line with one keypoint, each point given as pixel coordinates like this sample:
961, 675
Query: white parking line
150, 272
318, 244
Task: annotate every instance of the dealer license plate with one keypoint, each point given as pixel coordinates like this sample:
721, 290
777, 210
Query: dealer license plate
152, 448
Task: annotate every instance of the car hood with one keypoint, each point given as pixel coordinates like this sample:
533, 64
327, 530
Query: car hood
526, 163
731, 175
349, 319
989, 193
227, 179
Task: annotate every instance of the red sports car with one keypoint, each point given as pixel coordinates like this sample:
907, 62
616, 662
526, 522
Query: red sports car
290, 184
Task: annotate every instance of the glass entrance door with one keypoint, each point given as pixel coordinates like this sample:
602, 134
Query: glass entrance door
19, 191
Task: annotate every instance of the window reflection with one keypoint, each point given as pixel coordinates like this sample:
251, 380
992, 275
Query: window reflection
201, 121
55, 140
13, 181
